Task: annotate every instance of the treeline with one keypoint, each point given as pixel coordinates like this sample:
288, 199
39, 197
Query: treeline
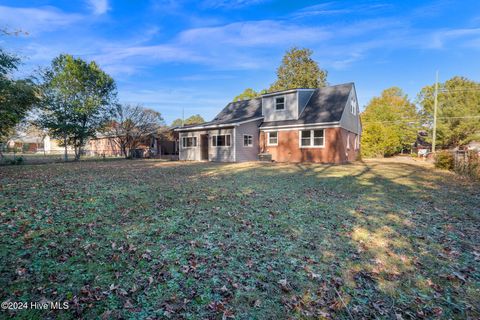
391, 122
73, 101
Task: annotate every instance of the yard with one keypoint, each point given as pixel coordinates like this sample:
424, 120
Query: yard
136, 239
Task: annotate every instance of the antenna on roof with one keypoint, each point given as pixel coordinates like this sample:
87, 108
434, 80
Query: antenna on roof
183, 116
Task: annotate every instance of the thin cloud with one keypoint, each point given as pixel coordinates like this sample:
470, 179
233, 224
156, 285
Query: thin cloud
232, 46
36, 20
98, 7
232, 4
255, 33
439, 39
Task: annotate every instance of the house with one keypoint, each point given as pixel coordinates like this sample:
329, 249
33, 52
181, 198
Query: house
421, 146
25, 143
160, 144
313, 125
35, 143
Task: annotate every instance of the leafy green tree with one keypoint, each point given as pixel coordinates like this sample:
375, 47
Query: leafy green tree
458, 111
299, 70
177, 123
390, 124
17, 97
247, 94
195, 119
78, 100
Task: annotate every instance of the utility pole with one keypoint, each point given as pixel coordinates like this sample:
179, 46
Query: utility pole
183, 116
435, 103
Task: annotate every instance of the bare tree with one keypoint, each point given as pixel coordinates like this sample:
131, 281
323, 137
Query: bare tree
131, 124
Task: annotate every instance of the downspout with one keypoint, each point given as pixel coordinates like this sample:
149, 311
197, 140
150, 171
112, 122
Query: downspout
234, 144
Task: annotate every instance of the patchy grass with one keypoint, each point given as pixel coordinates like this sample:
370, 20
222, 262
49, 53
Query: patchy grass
138, 239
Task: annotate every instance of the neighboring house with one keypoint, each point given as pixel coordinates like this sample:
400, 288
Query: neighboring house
160, 144
421, 146
35, 144
473, 145
314, 125
25, 143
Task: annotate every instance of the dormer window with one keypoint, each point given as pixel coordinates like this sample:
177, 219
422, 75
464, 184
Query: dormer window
280, 103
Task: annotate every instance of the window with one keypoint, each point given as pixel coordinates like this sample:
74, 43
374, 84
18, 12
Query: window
272, 138
189, 142
357, 142
221, 140
280, 103
348, 141
312, 138
247, 140
306, 139
353, 106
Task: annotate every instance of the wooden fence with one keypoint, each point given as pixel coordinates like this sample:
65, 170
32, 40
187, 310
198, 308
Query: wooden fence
467, 163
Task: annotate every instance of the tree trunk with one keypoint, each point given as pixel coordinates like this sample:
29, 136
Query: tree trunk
65, 156
78, 150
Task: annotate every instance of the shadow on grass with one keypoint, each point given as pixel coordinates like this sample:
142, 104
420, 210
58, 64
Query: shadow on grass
203, 240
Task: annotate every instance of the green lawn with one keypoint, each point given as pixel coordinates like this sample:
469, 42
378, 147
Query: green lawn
386, 239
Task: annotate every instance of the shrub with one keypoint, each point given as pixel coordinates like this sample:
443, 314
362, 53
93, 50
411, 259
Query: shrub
444, 160
18, 161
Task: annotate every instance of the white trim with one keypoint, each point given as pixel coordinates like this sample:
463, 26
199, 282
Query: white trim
357, 142
217, 146
233, 124
303, 125
243, 141
186, 137
268, 139
246, 121
285, 92
301, 128
284, 104
206, 127
234, 144
311, 146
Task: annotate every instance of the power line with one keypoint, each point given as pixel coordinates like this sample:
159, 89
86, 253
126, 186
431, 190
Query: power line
419, 120
458, 90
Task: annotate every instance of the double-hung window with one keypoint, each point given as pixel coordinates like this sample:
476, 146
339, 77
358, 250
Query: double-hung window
221, 140
189, 142
353, 106
272, 138
280, 103
247, 140
312, 138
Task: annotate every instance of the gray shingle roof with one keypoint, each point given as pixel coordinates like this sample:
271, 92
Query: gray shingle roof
235, 112
325, 105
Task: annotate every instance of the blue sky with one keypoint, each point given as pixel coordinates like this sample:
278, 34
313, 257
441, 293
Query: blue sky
198, 55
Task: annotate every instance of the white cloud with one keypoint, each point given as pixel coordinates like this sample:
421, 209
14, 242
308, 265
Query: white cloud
231, 46
170, 101
232, 4
254, 33
36, 20
440, 38
98, 7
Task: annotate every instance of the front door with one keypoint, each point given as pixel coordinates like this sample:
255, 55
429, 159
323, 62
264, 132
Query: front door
204, 147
